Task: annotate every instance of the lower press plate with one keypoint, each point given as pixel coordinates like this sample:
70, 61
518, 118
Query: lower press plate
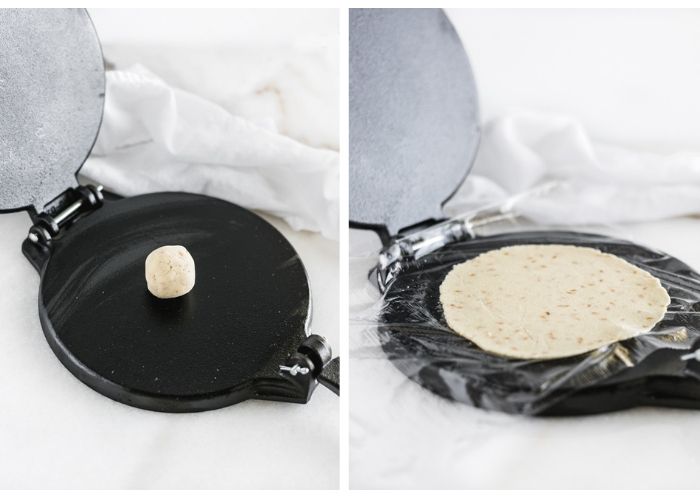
646, 370
220, 344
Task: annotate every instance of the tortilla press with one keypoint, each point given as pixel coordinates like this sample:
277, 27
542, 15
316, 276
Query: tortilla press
241, 333
414, 134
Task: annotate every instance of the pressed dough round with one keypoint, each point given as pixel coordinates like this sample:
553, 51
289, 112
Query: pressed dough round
170, 271
550, 301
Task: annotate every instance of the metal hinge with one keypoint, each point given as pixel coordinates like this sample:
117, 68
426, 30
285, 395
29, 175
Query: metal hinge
411, 247
61, 212
404, 249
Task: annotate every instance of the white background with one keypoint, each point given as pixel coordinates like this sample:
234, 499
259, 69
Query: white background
55, 432
632, 78
207, 27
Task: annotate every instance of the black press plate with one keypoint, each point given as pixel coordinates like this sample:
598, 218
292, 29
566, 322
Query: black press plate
213, 347
416, 338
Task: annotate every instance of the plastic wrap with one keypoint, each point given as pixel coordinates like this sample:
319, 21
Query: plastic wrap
406, 320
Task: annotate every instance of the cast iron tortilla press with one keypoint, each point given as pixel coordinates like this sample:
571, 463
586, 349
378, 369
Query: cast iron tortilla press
414, 134
241, 333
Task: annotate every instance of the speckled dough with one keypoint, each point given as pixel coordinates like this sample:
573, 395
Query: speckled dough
170, 272
550, 301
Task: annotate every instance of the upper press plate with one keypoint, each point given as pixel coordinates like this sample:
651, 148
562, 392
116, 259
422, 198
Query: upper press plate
52, 86
414, 126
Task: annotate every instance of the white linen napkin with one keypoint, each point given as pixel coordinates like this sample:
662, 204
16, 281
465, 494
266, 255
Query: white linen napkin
155, 137
590, 182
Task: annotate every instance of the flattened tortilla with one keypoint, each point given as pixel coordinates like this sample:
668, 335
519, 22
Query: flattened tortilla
550, 301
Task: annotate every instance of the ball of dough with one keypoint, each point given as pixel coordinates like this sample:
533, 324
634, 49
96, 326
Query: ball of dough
169, 272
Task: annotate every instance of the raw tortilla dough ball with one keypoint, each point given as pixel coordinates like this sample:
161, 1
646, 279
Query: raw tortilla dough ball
550, 301
169, 272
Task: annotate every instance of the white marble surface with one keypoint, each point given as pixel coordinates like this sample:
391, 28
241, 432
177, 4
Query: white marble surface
402, 436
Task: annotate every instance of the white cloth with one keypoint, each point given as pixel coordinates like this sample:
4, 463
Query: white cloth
589, 182
293, 85
155, 137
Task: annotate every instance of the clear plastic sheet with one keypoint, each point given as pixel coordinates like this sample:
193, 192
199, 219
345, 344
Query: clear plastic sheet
406, 321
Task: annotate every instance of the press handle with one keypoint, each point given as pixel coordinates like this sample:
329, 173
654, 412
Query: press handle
330, 376
325, 369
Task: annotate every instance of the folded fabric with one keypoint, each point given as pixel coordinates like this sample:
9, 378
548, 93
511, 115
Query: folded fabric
588, 182
293, 85
158, 138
